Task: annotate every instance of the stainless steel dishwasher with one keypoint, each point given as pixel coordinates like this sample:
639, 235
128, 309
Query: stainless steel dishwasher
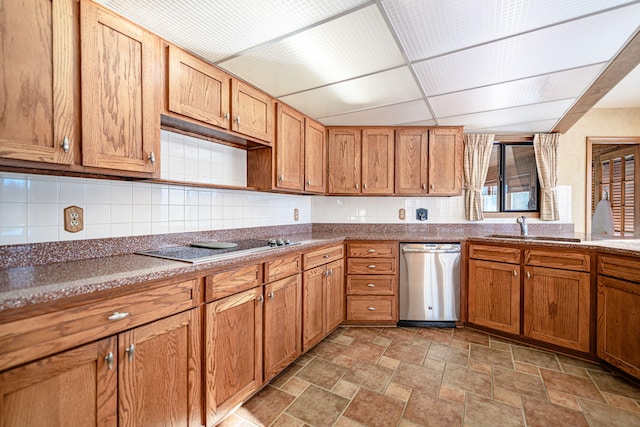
429, 284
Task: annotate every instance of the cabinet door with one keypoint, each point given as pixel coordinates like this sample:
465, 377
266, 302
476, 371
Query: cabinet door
282, 321
38, 80
618, 317
412, 149
494, 295
343, 161
159, 372
289, 149
445, 161
557, 306
74, 388
377, 161
335, 295
198, 90
120, 102
313, 306
252, 111
315, 157
233, 351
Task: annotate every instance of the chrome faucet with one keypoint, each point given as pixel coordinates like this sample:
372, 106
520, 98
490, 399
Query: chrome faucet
524, 229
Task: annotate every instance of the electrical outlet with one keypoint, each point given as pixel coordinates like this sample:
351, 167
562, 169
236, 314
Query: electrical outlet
402, 214
296, 215
73, 219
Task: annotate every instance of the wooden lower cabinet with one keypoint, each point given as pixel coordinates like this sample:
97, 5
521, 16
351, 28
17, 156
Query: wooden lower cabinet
233, 352
159, 368
618, 313
72, 388
372, 309
282, 324
494, 295
322, 302
557, 307
145, 376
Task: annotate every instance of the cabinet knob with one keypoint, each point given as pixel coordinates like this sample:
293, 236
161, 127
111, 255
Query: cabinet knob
280, 178
364, 186
118, 316
371, 266
371, 309
130, 351
357, 186
226, 116
109, 360
238, 119
515, 273
424, 186
433, 186
65, 144
261, 300
371, 285
152, 158
528, 275
308, 183
331, 272
371, 251
270, 295
325, 256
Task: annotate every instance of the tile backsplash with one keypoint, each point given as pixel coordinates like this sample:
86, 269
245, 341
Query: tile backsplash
31, 206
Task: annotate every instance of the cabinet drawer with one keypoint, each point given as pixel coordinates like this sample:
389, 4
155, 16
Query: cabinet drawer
372, 249
371, 285
371, 266
619, 267
29, 339
281, 267
575, 261
322, 256
495, 253
231, 282
371, 308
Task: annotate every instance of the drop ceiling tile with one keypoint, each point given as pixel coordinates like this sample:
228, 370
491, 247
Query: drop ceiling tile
389, 115
389, 87
419, 123
534, 90
216, 30
328, 53
529, 127
425, 27
509, 116
578, 43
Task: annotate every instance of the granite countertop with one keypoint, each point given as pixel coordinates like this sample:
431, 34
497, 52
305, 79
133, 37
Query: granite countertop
28, 285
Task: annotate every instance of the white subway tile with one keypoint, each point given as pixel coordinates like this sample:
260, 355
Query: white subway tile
43, 190
13, 189
98, 231
13, 214
42, 214
98, 193
141, 194
121, 194
141, 214
37, 234
121, 214
13, 235
159, 213
71, 191
121, 230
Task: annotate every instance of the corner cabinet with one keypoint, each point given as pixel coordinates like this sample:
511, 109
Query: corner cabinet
120, 92
618, 336
39, 81
494, 287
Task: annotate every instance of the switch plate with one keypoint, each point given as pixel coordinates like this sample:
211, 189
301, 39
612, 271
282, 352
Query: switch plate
296, 214
402, 214
73, 219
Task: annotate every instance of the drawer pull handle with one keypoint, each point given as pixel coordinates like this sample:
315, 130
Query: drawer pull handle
325, 256
371, 266
109, 359
371, 251
371, 285
130, 351
371, 309
118, 316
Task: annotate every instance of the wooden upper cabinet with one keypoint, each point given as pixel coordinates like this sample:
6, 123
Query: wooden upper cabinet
343, 161
289, 149
39, 80
377, 161
445, 161
252, 111
412, 151
120, 92
197, 89
315, 157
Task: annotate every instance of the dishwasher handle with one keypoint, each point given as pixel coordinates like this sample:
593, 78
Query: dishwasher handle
431, 251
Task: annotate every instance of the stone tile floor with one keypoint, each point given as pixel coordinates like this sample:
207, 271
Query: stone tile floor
438, 377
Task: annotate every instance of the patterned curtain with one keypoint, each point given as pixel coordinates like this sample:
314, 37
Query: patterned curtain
545, 147
477, 153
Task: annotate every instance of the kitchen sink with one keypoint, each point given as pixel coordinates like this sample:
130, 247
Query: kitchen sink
542, 238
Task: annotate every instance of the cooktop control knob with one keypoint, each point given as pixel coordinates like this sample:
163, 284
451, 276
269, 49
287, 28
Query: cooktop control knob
272, 242
280, 242
287, 242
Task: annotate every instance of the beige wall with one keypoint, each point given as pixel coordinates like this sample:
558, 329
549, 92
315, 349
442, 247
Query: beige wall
572, 151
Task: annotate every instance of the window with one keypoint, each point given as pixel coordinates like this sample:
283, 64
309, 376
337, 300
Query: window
616, 182
512, 179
